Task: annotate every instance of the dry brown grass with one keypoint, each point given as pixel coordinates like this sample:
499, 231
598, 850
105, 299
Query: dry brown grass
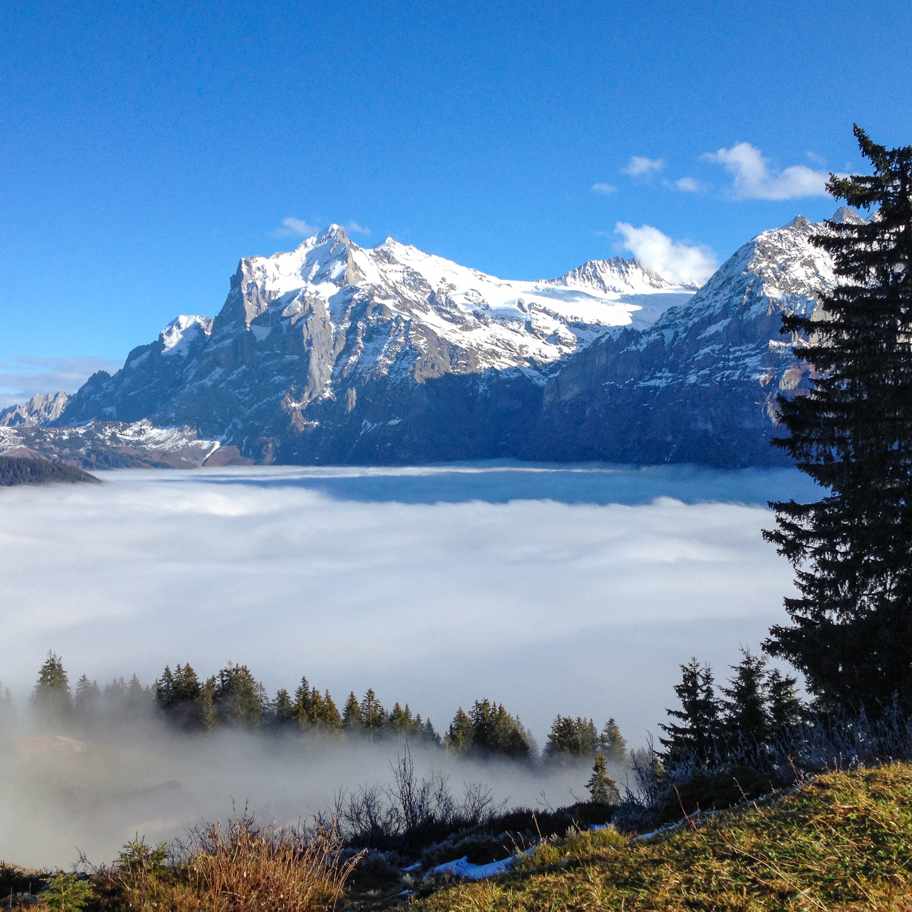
235, 867
250, 871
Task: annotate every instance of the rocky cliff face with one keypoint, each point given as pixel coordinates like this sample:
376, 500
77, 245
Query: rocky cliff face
41, 409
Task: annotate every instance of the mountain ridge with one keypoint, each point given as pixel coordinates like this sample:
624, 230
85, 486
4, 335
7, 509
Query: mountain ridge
332, 352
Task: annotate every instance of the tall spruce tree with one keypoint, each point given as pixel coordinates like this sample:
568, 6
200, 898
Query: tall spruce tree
602, 788
51, 697
746, 719
238, 698
351, 713
694, 738
612, 743
86, 701
459, 734
851, 624
784, 706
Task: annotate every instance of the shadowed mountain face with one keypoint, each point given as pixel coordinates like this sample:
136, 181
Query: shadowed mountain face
700, 384
334, 353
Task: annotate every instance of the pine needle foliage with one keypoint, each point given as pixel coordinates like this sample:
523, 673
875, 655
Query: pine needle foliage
851, 627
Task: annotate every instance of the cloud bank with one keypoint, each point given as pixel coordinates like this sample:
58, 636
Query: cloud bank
690, 264
753, 178
434, 587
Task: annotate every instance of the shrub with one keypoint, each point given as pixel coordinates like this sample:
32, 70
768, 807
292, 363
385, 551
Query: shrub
67, 893
235, 867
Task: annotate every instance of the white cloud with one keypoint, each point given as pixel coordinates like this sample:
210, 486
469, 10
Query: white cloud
291, 226
642, 166
603, 187
752, 177
690, 264
688, 185
357, 228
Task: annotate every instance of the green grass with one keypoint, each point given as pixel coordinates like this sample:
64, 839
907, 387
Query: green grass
841, 842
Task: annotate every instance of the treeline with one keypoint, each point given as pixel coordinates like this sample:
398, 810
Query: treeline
21, 470
234, 699
750, 719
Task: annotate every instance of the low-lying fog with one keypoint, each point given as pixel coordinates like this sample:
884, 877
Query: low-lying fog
574, 591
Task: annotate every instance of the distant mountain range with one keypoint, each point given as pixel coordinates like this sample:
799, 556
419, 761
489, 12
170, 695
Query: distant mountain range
336, 353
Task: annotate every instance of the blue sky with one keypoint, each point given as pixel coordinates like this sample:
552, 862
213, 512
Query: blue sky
147, 146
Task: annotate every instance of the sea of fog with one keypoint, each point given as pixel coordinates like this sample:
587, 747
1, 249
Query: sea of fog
552, 589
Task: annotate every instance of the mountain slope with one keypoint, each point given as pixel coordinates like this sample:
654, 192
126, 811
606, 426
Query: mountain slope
700, 384
25, 470
337, 353
334, 352
40, 409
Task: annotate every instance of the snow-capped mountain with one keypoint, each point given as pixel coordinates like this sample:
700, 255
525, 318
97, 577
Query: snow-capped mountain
334, 352
40, 409
700, 384
317, 350
115, 445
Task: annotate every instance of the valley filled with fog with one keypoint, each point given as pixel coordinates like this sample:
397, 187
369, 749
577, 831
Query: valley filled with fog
554, 590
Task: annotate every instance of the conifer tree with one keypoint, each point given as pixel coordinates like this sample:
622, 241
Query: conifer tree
283, 709
239, 698
612, 743
164, 689
602, 788
459, 734
86, 700
746, 720
373, 715
428, 733
851, 625
784, 705
571, 739
694, 737
303, 707
351, 713
329, 718
137, 699
51, 696
208, 713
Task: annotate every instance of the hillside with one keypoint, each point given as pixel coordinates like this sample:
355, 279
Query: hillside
841, 842
24, 470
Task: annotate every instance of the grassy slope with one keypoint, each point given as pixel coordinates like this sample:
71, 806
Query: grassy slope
842, 842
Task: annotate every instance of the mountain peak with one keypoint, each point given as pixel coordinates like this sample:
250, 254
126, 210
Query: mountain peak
846, 215
40, 409
334, 232
182, 331
618, 275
